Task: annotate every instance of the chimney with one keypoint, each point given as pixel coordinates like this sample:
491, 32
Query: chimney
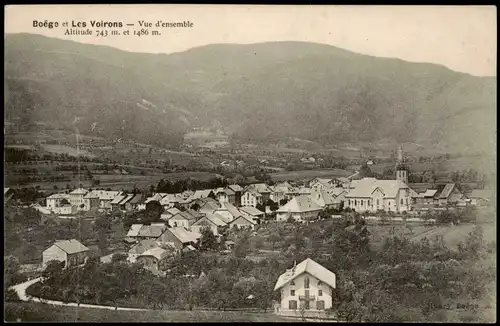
293, 268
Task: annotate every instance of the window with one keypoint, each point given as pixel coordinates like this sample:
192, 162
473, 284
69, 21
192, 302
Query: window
349, 201
292, 293
320, 305
378, 202
355, 202
401, 201
320, 293
362, 203
307, 305
292, 304
306, 282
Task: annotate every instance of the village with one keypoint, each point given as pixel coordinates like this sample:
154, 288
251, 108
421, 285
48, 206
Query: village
213, 220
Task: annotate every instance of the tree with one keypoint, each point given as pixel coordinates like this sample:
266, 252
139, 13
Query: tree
208, 241
53, 269
242, 246
119, 258
12, 270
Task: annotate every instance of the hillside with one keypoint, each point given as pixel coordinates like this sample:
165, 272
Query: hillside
263, 91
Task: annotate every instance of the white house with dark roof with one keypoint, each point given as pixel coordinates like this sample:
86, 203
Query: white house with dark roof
150, 259
253, 212
71, 252
251, 197
300, 208
371, 195
243, 222
307, 284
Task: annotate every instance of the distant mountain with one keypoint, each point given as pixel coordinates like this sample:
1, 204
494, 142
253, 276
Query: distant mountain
263, 91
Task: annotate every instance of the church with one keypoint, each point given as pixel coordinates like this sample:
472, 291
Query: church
372, 195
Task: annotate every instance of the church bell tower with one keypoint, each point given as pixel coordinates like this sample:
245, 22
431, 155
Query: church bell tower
401, 166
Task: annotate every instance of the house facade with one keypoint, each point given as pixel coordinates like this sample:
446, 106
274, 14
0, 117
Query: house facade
71, 252
76, 198
300, 209
251, 198
307, 285
151, 258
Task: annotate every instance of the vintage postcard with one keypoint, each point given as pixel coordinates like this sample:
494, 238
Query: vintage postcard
244, 163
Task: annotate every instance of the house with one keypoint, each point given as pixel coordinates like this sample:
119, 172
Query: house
213, 221
140, 247
225, 195
179, 237
448, 194
57, 200
317, 184
168, 213
41, 209
238, 190
106, 197
229, 244
76, 198
263, 189
253, 212
328, 198
115, 203
252, 197
243, 222
134, 230
207, 205
341, 182
307, 284
228, 212
202, 194
372, 195
481, 197
426, 198
278, 194
65, 209
133, 204
184, 219
169, 200
7, 194
91, 200
300, 208
122, 204
151, 258
71, 252
152, 231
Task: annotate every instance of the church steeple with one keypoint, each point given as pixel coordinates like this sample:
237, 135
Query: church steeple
401, 167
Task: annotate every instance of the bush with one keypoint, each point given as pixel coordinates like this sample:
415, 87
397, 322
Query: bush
11, 296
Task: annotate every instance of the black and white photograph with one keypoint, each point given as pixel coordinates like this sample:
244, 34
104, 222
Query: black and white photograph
250, 163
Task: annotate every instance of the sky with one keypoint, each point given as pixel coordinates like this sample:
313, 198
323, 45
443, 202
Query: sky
462, 38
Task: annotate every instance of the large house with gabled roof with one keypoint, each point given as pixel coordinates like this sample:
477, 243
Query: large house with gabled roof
71, 252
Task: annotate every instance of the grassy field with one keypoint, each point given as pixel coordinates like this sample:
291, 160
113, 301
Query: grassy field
452, 235
24, 312
309, 174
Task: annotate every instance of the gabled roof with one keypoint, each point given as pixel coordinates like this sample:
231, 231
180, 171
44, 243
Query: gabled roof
142, 246
151, 231
71, 246
243, 218
102, 194
235, 188
251, 211
208, 207
126, 199
299, 204
227, 191
324, 182
173, 210
156, 197
157, 252
134, 230
79, 191
231, 209
322, 198
429, 193
216, 219
193, 214
184, 235
136, 199
59, 196
260, 187
366, 186
447, 190
118, 199
201, 193
310, 267
254, 192
170, 198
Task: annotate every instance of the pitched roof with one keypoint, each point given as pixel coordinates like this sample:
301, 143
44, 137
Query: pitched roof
366, 186
243, 218
216, 219
429, 193
227, 191
153, 231
235, 188
118, 199
157, 252
136, 199
71, 246
184, 235
322, 198
260, 187
299, 204
310, 267
79, 191
323, 181
126, 199
254, 192
143, 245
173, 210
446, 192
170, 198
233, 210
156, 197
201, 193
134, 230
102, 194
58, 196
251, 210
